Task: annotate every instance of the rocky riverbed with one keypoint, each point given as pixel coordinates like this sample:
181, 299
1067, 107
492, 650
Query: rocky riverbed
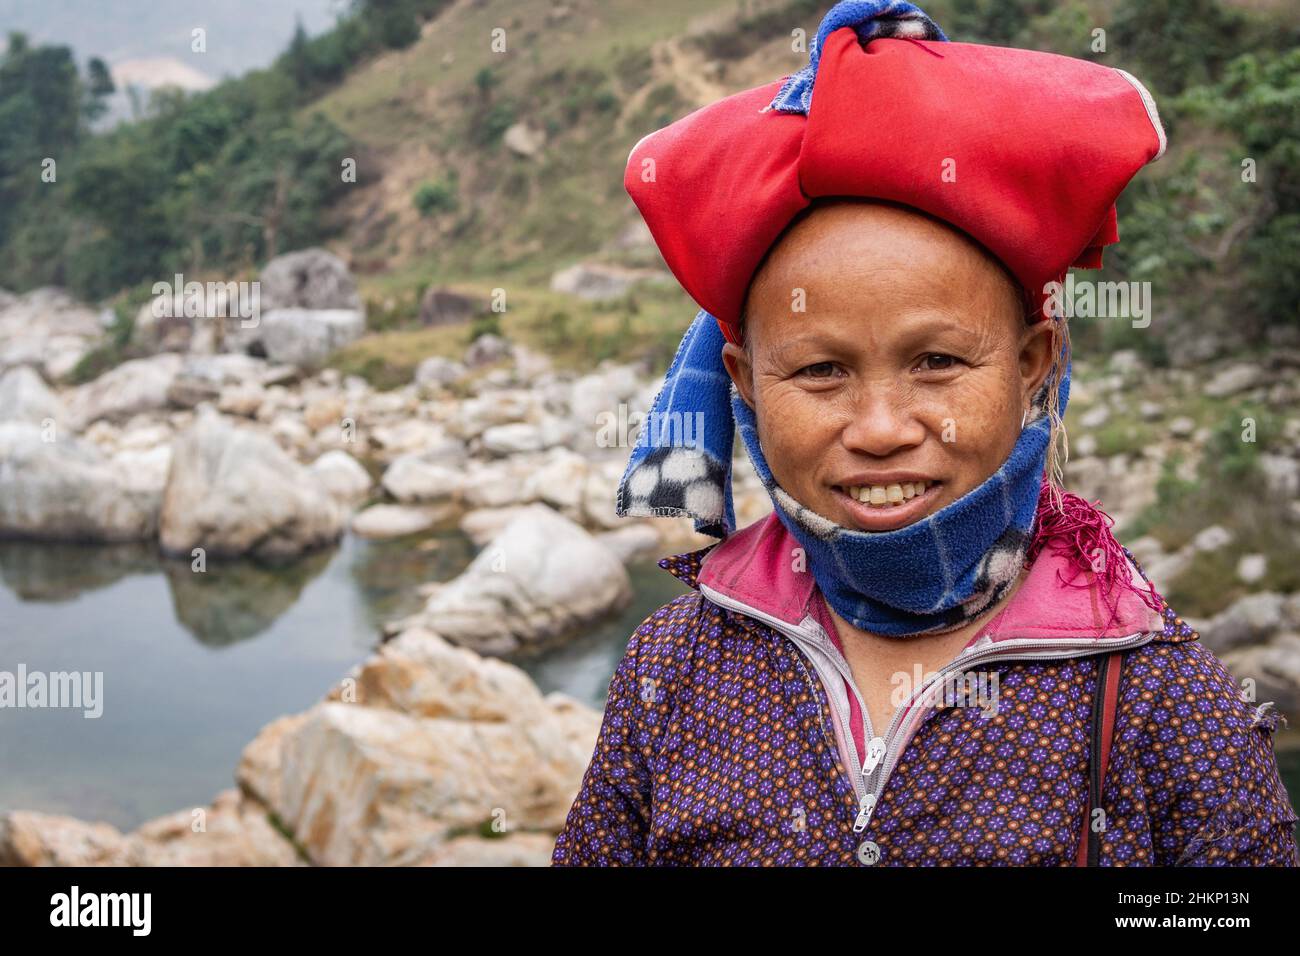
224, 443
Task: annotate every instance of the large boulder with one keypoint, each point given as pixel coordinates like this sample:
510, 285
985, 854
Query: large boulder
1253, 619
66, 489
308, 279
541, 577
1274, 667
421, 749
139, 385
307, 337
24, 397
49, 330
233, 831
233, 491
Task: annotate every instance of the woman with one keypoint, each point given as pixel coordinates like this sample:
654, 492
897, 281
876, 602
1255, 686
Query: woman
928, 654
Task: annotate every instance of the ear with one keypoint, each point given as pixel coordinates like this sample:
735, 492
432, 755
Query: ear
741, 370
1036, 357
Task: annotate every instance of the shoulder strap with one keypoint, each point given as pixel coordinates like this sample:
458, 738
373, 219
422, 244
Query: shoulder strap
1104, 702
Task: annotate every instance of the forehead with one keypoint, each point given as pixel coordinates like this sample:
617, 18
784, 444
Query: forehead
846, 255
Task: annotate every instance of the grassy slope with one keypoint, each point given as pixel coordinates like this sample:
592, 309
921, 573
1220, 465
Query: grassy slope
597, 80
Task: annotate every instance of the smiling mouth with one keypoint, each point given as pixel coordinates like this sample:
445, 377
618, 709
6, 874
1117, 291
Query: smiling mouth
886, 496
887, 507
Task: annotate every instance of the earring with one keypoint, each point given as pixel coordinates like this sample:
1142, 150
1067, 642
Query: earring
1024, 417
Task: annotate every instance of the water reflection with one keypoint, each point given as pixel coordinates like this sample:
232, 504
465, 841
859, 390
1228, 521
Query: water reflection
38, 571
195, 664
233, 601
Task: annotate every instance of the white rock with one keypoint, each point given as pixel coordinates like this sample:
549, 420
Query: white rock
393, 521
342, 476
424, 477
1212, 538
368, 785
541, 577
1281, 475
24, 397
499, 483
436, 371
142, 436
307, 337
597, 282
483, 524
67, 489
48, 329
599, 493
1233, 379
559, 482
1095, 417
233, 491
523, 140
1125, 362
244, 399
308, 279
1085, 445
413, 435
1252, 567
140, 385
512, 439
1252, 619
602, 410
476, 415
486, 349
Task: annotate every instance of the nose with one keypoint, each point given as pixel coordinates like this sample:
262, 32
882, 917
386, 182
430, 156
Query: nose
882, 421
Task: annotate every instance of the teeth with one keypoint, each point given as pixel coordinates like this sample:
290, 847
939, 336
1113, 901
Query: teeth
887, 495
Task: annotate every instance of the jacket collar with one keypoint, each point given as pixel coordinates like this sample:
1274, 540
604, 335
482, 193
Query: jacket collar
760, 568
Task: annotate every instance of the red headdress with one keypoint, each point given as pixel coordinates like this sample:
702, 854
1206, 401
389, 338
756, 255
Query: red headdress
1024, 151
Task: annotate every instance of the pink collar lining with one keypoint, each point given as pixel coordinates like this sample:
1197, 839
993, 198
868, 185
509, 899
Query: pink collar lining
763, 567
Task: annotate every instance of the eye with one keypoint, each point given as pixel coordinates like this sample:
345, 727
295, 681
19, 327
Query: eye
818, 370
937, 362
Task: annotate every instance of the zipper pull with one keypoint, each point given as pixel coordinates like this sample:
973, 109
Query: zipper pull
875, 750
865, 809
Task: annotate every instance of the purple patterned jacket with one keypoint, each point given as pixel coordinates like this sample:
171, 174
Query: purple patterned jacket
729, 731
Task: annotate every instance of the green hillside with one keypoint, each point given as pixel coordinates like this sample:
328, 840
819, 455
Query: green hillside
417, 94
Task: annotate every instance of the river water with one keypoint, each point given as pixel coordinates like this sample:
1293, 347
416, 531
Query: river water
194, 665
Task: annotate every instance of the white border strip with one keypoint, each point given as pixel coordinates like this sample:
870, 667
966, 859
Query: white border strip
1152, 114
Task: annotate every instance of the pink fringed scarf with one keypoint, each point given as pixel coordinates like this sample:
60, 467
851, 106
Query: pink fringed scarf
1081, 532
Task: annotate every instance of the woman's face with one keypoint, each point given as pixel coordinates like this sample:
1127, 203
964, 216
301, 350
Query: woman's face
888, 364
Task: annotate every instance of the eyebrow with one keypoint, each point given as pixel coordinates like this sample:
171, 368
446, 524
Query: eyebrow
931, 324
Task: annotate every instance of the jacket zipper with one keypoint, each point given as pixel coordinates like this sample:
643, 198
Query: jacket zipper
999, 653
798, 638
869, 796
